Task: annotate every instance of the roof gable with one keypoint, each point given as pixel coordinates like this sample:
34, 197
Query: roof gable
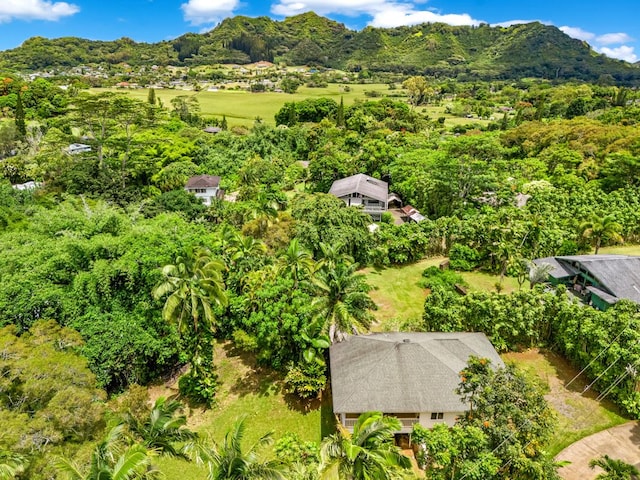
203, 181
403, 372
362, 184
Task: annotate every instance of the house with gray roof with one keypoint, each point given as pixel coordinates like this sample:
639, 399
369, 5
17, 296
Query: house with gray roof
205, 187
598, 280
363, 191
411, 376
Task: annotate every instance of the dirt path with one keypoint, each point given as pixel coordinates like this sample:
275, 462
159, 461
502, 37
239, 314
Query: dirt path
621, 442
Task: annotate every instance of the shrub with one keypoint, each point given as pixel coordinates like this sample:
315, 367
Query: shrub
306, 380
464, 258
434, 277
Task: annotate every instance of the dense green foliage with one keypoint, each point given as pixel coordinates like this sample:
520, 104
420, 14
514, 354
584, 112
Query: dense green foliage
479, 52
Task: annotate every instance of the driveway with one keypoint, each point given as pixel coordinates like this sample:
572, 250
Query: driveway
621, 442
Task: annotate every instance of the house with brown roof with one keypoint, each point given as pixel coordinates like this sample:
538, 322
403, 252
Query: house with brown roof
411, 376
205, 187
363, 191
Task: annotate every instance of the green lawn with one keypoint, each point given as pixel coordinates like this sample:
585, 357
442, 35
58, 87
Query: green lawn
242, 107
621, 250
257, 393
579, 414
400, 298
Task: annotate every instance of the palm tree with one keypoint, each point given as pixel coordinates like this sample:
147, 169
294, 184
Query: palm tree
343, 303
112, 459
601, 230
296, 262
331, 255
538, 273
11, 464
194, 284
367, 453
614, 469
163, 429
227, 461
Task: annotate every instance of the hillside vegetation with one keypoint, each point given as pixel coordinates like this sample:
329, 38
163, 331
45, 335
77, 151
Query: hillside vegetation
464, 52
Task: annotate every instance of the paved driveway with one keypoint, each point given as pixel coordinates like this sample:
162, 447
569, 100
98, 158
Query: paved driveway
621, 442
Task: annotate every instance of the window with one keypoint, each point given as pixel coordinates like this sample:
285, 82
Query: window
437, 415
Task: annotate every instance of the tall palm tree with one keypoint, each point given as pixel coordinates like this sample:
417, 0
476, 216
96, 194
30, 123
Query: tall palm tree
227, 461
194, 283
614, 469
11, 464
112, 459
343, 304
367, 453
601, 230
163, 429
296, 262
331, 255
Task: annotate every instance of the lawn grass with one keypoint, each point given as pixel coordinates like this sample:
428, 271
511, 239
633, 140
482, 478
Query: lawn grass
579, 414
397, 291
257, 393
242, 107
621, 250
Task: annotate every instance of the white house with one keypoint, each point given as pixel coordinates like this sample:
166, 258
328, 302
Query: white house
411, 376
205, 187
76, 148
363, 191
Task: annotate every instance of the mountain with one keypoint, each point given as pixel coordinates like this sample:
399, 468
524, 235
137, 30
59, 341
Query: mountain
464, 52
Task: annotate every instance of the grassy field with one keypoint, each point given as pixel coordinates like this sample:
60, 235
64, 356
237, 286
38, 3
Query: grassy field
257, 393
399, 296
579, 414
621, 250
242, 107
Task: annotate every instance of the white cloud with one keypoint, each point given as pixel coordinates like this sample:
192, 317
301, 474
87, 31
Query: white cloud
35, 10
576, 32
613, 38
199, 12
623, 52
383, 13
406, 15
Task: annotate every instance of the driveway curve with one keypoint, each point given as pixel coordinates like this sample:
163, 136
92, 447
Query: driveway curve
621, 442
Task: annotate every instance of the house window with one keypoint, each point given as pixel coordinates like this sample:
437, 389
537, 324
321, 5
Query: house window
437, 415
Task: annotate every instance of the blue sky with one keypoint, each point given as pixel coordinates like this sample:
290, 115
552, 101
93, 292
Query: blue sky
611, 28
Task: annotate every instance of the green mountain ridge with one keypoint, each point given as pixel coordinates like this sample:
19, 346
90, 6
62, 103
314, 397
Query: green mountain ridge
464, 52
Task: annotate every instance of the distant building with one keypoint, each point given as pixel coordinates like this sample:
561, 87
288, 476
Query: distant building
212, 130
411, 214
598, 280
411, 376
30, 185
205, 187
76, 148
363, 191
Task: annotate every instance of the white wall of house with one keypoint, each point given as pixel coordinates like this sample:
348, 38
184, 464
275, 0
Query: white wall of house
424, 418
447, 417
204, 194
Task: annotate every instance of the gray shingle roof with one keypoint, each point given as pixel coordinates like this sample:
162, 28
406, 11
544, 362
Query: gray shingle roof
560, 269
362, 184
403, 372
203, 181
618, 275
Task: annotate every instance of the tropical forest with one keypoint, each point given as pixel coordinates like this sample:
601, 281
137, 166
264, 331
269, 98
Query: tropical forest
147, 334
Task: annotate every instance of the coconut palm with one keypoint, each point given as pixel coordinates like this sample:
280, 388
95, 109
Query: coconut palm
227, 461
614, 469
194, 284
343, 303
538, 273
163, 429
113, 459
296, 262
11, 464
331, 255
367, 453
601, 230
